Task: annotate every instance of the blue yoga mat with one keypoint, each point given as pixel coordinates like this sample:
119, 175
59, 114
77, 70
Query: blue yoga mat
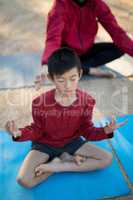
95, 185
123, 145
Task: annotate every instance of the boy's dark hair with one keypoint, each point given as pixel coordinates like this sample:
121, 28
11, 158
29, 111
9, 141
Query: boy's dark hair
63, 60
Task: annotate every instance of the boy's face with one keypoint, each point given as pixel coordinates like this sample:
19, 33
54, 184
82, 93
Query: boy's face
67, 83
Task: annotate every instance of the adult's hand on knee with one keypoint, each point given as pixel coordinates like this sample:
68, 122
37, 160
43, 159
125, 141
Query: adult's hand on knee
39, 80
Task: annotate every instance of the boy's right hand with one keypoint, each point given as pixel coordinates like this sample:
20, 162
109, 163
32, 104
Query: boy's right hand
12, 129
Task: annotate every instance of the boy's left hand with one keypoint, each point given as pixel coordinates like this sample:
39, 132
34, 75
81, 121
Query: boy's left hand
79, 159
113, 125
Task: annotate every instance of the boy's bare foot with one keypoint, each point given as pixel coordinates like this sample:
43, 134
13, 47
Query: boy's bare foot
78, 159
41, 169
66, 157
101, 73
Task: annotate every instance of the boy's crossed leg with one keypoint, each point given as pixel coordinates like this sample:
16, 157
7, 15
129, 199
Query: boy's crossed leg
96, 158
26, 176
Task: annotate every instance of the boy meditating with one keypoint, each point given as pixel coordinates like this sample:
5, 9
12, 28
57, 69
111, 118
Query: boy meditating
60, 117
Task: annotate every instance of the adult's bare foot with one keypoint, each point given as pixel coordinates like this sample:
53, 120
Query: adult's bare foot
101, 73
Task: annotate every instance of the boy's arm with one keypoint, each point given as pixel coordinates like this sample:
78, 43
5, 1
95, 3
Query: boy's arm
55, 28
88, 130
33, 131
118, 35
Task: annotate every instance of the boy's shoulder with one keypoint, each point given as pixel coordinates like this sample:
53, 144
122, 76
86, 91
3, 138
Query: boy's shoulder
44, 99
85, 97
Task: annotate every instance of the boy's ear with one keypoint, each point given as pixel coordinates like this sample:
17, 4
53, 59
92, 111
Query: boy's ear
49, 77
81, 73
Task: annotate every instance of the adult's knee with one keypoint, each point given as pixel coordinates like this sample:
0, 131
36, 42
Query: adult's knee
118, 52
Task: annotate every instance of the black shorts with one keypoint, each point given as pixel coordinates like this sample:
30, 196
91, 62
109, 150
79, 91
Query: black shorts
53, 152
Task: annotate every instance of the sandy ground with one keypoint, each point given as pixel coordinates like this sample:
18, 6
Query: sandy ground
22, 23
22, 29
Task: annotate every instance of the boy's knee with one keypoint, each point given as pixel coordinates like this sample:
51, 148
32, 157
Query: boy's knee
24, 182
31, 182
107, 160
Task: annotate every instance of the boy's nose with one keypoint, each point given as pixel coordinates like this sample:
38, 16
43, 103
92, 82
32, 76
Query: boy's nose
68, 84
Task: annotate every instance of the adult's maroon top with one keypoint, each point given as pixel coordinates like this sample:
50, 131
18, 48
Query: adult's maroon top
75, 26
57, 125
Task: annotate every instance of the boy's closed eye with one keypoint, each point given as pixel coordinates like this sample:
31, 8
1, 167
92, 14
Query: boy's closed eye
61, 81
